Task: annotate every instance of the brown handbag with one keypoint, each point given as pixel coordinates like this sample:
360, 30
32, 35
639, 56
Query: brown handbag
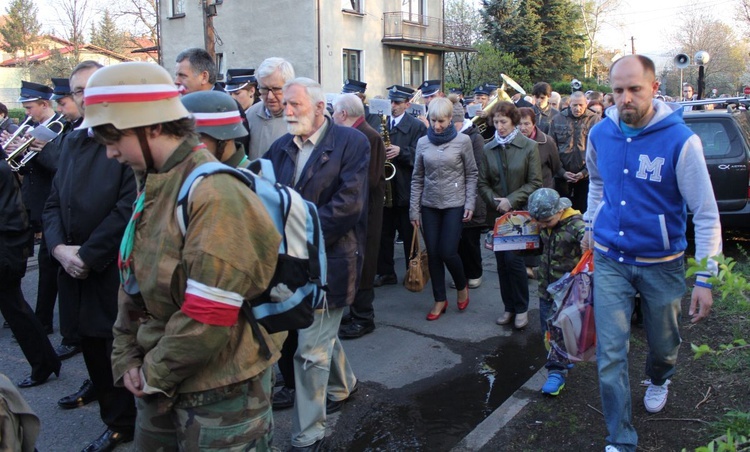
417, 274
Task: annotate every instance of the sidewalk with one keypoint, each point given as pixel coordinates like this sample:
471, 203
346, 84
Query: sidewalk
419, 379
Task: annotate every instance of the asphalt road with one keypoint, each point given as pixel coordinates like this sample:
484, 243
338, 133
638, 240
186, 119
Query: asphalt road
424, 385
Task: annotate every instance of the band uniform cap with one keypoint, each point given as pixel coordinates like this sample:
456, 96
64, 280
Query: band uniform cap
61, 88
487, 89
131, 94
239, 78
31, 91
430, 87
216, 114
400, 93
545, 202
456, 91
353, 86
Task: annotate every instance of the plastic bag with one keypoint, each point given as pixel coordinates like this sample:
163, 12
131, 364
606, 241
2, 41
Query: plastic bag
574, 332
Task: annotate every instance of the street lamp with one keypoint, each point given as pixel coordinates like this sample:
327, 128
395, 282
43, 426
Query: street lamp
701, 57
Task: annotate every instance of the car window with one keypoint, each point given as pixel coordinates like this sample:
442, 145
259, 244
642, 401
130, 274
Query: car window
717, 136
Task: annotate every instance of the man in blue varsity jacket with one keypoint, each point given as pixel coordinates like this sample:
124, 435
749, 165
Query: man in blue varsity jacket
646, 168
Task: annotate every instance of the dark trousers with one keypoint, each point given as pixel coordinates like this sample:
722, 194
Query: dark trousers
514, 282
578, 193
286, 362
442, 232
470, 251
394, 219
28, 330
361, 310
69, 309
47, 288
116, 405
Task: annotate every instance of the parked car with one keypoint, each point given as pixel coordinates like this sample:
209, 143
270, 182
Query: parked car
725, 135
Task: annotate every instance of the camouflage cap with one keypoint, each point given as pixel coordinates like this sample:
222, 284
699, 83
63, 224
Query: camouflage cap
545, 202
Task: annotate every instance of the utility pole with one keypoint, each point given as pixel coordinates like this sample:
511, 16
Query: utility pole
632, 45
209, 35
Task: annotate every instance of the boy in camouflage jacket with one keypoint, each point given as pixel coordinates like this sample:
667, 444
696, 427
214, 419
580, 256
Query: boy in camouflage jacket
561, 232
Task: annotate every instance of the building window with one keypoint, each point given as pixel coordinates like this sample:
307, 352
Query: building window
351, 64
412, 10
352, 5
177, 8
219, 60
413, 70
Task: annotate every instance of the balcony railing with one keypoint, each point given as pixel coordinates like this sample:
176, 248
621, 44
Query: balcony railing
403, 26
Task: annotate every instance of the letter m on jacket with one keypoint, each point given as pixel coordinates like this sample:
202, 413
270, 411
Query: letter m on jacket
649, 169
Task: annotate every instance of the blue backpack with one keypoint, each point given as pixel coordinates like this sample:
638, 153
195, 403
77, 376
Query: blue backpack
298, 284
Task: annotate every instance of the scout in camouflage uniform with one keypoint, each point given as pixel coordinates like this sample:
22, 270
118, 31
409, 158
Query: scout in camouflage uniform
181, 346
561, 231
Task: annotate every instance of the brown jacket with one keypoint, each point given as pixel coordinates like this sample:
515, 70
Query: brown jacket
230, 249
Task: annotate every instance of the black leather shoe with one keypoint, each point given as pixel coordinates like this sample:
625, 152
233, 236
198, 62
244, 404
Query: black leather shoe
108, 441
283, 399
314, 447
355, 330
385, 280
333, 406
67, 351
346, 319
30, 381
83, 396
6, 324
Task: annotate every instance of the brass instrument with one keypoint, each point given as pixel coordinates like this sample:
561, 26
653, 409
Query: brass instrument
500, 95
22, 129
22, 155
417, 98
390, 168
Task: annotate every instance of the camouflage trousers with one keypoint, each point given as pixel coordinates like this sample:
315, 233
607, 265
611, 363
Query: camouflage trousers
232, 418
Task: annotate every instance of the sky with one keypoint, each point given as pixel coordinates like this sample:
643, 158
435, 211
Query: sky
649, 22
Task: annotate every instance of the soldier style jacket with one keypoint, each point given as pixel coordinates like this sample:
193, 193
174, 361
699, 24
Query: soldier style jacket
185, 328
561, 249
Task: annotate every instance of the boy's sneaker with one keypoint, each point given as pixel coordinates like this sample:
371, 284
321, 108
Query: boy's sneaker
555, 383
656, 397
611, 448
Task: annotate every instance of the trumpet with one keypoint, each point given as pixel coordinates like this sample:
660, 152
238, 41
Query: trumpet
499, 95
22, 155
22, 129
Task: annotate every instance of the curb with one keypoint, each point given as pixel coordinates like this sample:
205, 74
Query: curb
488, 428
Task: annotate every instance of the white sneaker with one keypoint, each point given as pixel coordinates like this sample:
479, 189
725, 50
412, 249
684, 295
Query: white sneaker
611, 448
475, 282
656, 397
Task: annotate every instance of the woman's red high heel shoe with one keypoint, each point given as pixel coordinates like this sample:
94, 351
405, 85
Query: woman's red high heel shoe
431, 316
464, 304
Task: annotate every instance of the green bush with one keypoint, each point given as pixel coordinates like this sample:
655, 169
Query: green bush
18, 114
564, 87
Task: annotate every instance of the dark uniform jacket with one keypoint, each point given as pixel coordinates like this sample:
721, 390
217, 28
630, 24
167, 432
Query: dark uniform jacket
90, 205
15, 235
479, 218
406, 134
375, 198
334, 179
37, 179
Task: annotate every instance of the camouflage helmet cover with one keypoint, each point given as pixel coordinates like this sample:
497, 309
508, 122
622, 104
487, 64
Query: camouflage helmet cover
545, 202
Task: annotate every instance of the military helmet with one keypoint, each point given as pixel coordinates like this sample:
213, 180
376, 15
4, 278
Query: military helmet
545, 202
133, 94
216, 114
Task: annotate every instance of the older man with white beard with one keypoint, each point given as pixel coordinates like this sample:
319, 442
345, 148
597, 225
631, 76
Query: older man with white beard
328, 165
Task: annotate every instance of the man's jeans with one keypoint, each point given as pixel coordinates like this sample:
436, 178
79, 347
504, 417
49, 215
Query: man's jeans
615, 284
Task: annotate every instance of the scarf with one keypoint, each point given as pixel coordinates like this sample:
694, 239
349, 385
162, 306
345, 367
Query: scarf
441, 138
504, 141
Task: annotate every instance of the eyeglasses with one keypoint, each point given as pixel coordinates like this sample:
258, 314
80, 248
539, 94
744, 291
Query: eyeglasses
78, 92
276, 91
